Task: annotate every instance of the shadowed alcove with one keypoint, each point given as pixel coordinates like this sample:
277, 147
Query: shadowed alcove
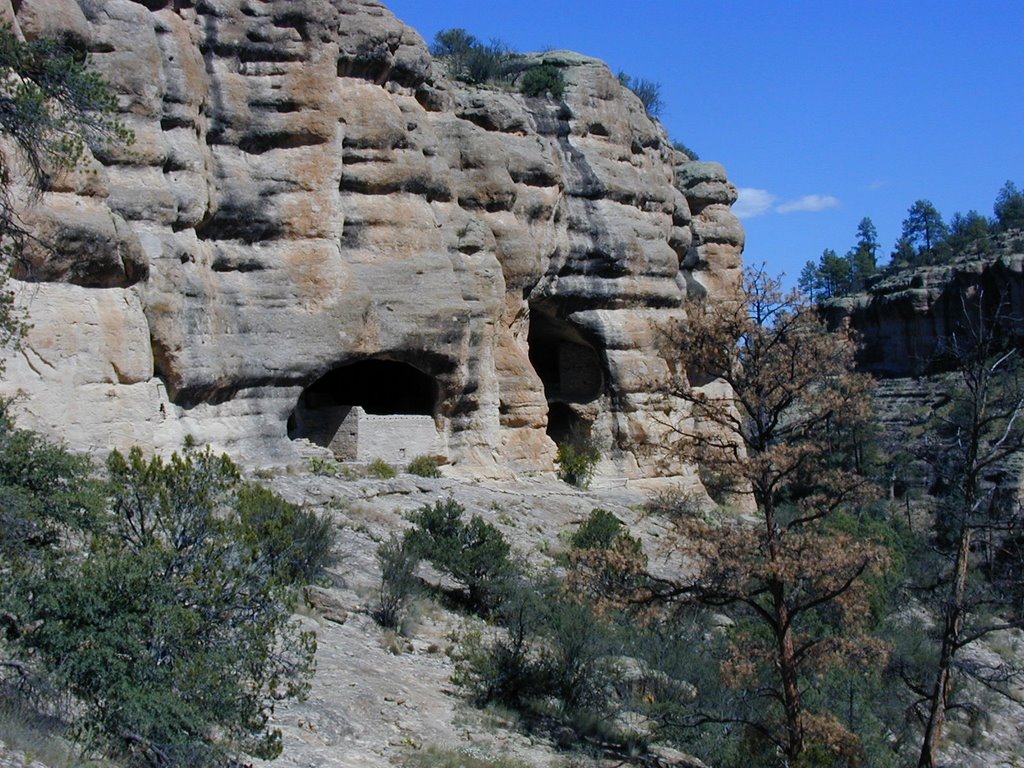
569, 367
334, 409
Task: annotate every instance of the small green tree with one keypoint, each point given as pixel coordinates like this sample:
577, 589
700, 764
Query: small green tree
864, 256
1009, 207
810, 282
398, 582
968, 233
903, 254
165, 617
553, 647
926, 232
46, 499
453, 45
298, 544
475, 554
470, 60
836, 273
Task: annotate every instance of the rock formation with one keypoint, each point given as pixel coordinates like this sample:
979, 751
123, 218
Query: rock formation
310, 202
904, 319
906, 322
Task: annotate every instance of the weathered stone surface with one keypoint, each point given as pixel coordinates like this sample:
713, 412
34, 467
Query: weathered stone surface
903, 319
79, 240
326, 604
308, 190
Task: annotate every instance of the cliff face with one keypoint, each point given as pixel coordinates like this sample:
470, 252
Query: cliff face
903, 321
312, 210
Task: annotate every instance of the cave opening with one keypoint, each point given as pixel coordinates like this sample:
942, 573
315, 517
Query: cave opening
569, 367
376, 387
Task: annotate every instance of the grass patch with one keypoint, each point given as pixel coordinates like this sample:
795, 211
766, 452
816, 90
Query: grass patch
381, 469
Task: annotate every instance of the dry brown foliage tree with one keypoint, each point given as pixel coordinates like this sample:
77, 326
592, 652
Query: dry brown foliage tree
778, 436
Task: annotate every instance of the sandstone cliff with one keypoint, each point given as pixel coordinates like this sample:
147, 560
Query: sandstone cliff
903, 320
313, 210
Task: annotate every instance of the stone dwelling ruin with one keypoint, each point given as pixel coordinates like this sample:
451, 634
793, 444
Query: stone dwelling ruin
314, 216
373, 409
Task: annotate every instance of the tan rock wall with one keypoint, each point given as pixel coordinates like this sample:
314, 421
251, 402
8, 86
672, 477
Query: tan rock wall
308, 189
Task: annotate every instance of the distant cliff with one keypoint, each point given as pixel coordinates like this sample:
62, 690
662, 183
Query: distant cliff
313, 213
903, 319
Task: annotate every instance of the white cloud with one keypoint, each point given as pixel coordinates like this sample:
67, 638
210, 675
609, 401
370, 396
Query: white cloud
753, 202
812, 203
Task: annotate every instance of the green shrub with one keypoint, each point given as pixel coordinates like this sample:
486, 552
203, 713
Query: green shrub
174, 636
475, 554
577, 459
545, 79
487, 63
297, 544
44, 492
573, 655
381, 469
552, 647
470, 60
324, 467
398, 582
598, 531
424, 466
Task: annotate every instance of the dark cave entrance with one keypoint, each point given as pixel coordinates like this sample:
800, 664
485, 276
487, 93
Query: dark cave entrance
378, 387
570, 368
565, 425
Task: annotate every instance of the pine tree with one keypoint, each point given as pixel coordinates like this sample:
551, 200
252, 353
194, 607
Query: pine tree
1009, 207
926, 232
863, 257
793, 582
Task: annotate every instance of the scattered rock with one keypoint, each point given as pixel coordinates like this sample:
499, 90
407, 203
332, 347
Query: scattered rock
328, 606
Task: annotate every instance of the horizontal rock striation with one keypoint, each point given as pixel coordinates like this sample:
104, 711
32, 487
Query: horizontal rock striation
308, 191
905, 320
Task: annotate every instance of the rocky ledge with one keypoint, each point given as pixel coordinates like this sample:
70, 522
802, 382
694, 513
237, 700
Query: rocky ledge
904, 320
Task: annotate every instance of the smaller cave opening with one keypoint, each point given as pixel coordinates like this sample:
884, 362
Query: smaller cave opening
377, 388
565, 361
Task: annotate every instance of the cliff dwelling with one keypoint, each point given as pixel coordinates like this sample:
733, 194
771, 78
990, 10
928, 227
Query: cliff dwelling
413, 234
371, 409
570, 368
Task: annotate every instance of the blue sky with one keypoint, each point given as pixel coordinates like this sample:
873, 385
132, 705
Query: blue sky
822, 111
